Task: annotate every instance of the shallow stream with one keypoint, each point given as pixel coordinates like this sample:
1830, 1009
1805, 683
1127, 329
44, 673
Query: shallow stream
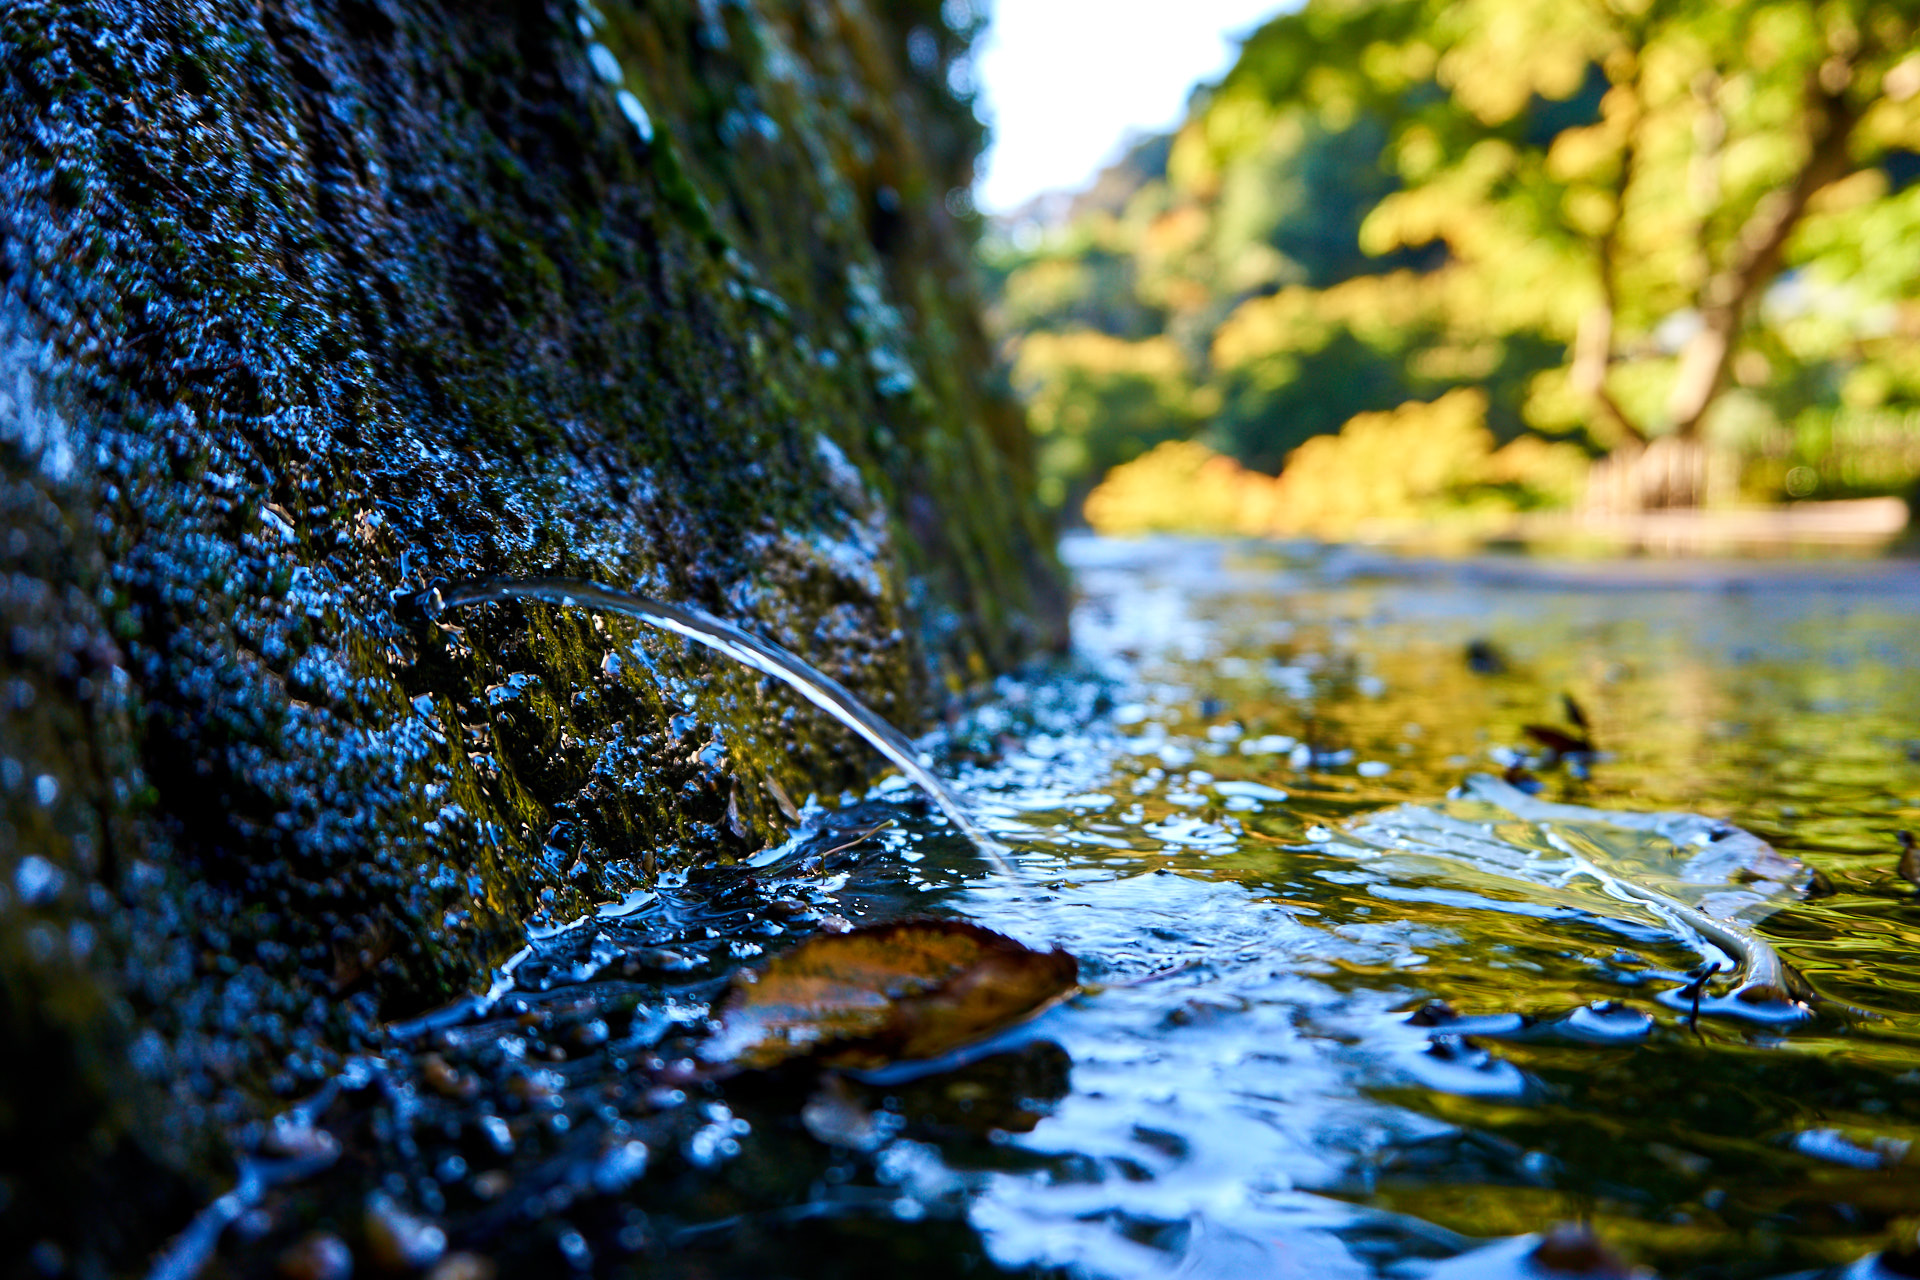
1233, 809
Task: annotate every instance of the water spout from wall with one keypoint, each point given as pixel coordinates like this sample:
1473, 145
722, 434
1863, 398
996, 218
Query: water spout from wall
743, 646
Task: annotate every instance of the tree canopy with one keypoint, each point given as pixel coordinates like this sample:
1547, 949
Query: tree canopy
1618, 220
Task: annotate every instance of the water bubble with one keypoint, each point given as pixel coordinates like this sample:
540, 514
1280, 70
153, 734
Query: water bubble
497, 1133
605, 65
397, 1240
573, 1247
923, 50
620, 1167
37, 881
636, 114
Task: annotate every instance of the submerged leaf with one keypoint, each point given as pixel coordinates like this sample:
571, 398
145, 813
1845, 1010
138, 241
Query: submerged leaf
911, 989
1700, 878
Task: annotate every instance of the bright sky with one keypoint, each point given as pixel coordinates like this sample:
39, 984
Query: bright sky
1065, 81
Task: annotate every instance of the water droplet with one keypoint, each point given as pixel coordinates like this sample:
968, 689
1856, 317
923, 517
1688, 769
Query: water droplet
37, 881
636, 114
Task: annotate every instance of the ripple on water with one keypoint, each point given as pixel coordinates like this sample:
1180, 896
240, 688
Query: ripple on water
1339, 1020
1249, 1086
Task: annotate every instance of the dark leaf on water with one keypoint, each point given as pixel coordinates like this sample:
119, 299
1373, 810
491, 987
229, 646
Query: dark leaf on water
1484, 658
908, 990
1557, 740
1523, 779
1577, 715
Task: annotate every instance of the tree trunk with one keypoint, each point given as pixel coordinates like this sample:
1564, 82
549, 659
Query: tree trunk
306, 304
1754, 259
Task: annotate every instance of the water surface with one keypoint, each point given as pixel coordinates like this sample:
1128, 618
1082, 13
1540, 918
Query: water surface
1218, 807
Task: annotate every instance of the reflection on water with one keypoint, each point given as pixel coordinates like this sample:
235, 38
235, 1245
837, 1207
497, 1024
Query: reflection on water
1267, 1107
1327, 1032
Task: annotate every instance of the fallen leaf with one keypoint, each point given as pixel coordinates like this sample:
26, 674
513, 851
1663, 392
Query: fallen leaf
1700, 876
1577, 714
1558, 741
907, 990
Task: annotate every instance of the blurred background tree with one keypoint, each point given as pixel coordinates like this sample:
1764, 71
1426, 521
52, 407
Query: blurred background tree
1646, 230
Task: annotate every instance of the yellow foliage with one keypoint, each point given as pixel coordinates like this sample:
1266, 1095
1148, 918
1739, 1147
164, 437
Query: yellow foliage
1553, 404
1508, 52
1301, 319
1587, 210
1455, 362
1386, 467
1095, 400
1553, 472
1179, 230
1289, 320
1418, 153
1894, 124
1518, 164
1092, 352
1394, 68
1851, 192
1182, 487
1049, 285
1191, 169
1395, 470
1587, 154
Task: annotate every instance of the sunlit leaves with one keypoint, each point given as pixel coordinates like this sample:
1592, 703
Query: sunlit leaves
1501, 55
1383, 471
1386, 201
1096, 400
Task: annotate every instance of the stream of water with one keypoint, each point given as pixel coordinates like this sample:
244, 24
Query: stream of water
1355, 1005
822, 690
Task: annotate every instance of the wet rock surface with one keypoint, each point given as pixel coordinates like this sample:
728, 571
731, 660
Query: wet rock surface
305, 305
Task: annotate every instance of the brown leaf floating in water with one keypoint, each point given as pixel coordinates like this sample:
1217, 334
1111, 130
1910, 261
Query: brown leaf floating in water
1558, 741
879, 994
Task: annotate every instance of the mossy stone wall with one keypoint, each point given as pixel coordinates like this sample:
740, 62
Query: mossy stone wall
304, 304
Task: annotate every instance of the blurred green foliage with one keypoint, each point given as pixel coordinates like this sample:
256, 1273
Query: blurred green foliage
1611, 220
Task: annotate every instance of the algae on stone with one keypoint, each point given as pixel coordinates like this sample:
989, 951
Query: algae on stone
304, 305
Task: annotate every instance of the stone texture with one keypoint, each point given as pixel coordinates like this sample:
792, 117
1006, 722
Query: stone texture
305, 304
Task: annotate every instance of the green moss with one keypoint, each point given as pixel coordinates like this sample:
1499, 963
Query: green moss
424, 294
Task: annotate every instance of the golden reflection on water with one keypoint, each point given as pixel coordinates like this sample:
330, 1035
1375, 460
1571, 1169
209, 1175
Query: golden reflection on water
1787, 703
